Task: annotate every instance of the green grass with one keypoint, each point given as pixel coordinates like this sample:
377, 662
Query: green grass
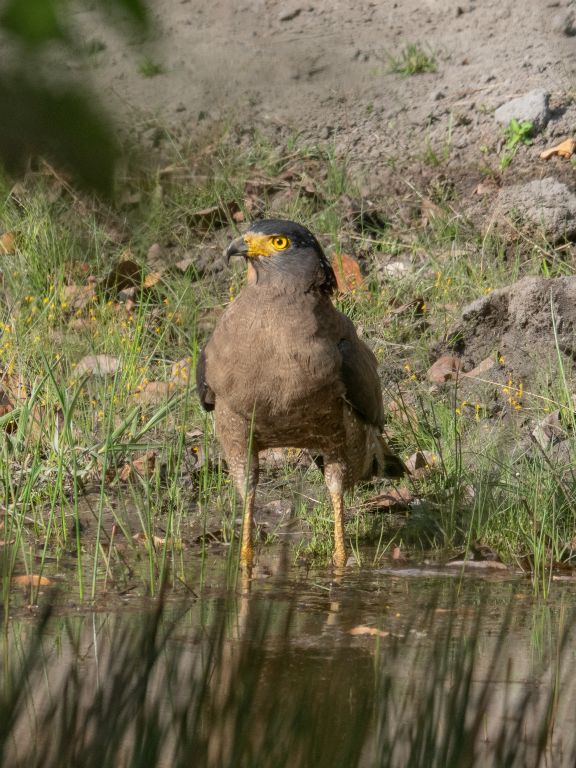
154, 688
150, 68
516, 133
412, 60
70, 436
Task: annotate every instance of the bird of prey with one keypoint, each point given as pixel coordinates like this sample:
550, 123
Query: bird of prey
285, 368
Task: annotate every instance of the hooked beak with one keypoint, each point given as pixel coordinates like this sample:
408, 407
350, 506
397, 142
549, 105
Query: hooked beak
238, 247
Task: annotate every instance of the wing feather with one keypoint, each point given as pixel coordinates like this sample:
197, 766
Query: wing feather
360, 377
205, 393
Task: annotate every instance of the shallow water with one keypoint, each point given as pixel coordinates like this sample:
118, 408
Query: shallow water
391, 666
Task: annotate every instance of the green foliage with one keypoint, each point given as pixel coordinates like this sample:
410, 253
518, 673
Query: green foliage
51, 115
413, 60
516, 133
150, 68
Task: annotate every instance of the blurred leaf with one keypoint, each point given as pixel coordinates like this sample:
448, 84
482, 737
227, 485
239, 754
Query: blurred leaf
35, 22
65, 126
137, 9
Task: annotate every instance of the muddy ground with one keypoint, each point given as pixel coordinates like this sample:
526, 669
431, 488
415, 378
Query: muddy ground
321, 70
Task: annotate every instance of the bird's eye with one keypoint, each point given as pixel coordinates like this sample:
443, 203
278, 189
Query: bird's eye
280, 243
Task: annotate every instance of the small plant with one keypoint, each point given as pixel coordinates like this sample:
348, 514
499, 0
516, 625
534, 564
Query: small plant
516, 133
412, 61
150, 68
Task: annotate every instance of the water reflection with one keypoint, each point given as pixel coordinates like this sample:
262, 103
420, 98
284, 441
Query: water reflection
298, 668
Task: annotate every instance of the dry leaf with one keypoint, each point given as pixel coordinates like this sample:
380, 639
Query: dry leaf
151, 279
31, 580
142, 538
155, 392
420, 462
394, 498
550, 430
215, 216
445, 368
481, 368
403, 412
478, 565
13, 392
183, 265
347, 271
98, 365
564, 149
78, 296
7, 243
142, 465
416, 306
81, 324
486, 187
362, 629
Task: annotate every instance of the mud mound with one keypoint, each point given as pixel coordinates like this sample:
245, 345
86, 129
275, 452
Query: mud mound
525, 331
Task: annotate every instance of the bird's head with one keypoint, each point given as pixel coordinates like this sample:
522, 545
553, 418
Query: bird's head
279, 251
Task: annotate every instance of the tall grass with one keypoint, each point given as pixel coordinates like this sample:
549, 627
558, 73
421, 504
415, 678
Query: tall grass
245, 688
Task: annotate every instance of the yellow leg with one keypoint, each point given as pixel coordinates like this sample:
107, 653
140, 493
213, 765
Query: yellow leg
339, 558
247, 551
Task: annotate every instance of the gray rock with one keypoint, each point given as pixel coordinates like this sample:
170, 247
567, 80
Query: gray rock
525, 329
565, 23
532, 108
545, 204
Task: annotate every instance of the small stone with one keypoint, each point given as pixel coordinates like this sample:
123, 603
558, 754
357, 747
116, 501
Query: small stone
546, 204
289, 14
564, 23
531, 108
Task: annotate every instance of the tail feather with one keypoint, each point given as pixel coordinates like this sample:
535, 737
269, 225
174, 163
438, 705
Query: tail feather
384, 463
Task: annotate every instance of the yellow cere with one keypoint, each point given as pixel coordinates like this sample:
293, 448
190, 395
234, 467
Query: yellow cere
265, 245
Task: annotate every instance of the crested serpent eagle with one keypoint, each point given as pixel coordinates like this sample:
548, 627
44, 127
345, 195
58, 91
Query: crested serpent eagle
284, 367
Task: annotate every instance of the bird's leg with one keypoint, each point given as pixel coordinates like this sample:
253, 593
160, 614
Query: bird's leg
247, 551
334, 477
246, 479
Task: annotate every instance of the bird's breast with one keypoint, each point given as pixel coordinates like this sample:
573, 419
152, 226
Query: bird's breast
272, 355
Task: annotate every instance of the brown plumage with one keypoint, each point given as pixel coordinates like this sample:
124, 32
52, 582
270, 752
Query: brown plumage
285, 368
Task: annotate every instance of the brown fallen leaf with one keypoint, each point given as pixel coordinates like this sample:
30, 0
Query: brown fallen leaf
420, 463
416, 306
486, 187
405, 413
31, 580
214, 216
447, 367
393, 498
142, 465
155, 392
347, 271
13, 393
481, 368
550, 430
478, 565
157, 541
362, 629
7, 243
78, 296
97, 365
152, 279
564, 149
